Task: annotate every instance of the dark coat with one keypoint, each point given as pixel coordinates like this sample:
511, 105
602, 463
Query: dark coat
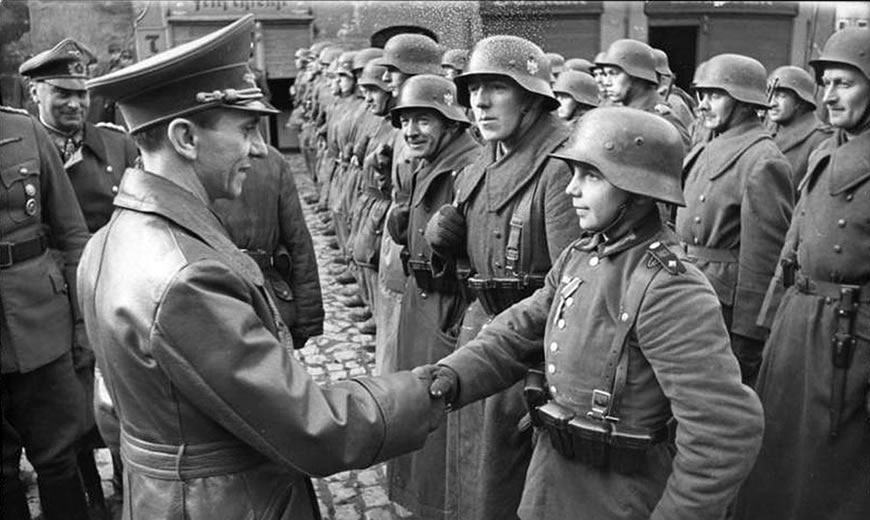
487, 456
802, 472
429, 327
679, 363
739, 198
218, 419
106, 152
36, 199
798, 140
268, 217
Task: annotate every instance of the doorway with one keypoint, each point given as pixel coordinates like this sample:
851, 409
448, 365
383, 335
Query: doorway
680, 42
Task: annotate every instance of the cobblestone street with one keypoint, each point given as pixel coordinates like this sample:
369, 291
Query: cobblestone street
338, 354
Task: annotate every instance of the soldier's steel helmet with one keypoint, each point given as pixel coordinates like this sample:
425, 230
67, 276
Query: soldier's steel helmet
795, 79
580, 65
512, 57
455, 58
557, 62
742, 77
632, 56
413, 54
849, 46
428, 91
372, 76
329, 55
344, 64
636, 151
662, 65
578, 85
364, 56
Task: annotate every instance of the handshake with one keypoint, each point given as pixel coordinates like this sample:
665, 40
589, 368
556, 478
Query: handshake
443, 385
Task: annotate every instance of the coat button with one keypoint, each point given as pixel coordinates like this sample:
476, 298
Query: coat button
841, 223
594, 261
554, 346
702, 198
838, 248
696, 241
828, 300
109, 168
849, 197
22, 170
551, 368
29, 190
624, 316
114, 189
697, 220
423, 295
561, 323
498, 264
569, 301
420, 230
552, 390
497, 234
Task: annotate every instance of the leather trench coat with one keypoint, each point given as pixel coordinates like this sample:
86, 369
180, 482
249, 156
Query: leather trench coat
678, 363
803, 471
268, 217
218, 418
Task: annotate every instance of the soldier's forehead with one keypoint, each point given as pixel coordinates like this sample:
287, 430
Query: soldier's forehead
61, 90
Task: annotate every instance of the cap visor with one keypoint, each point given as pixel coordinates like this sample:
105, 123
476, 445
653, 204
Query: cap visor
67, 83
258, 105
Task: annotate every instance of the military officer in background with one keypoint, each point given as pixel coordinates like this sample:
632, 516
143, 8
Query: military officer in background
739, 199
814, 381
631, 336
796, 129
218, 418
43, 404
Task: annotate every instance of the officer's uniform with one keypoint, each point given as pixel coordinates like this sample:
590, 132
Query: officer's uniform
43, 403
267, 222
218, 419
814, 381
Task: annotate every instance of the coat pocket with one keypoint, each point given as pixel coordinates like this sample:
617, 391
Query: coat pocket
23, 191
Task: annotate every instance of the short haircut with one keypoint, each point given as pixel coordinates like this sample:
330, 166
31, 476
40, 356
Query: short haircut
152, 138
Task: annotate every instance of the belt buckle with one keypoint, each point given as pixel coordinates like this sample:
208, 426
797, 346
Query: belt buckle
6, 255
601, 406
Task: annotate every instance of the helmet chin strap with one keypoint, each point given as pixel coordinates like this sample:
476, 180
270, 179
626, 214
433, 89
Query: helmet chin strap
617, 220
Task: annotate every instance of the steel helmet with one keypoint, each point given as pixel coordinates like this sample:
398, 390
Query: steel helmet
580, 65
428, 91
578, 85
633, 57
317, 47
742, 77
557, 62
303, 54
795, 79
512, 57
372, 76
345, 63
662, 65
636, 151
413, 54
329, 54
364, 56
455, 58
849, 46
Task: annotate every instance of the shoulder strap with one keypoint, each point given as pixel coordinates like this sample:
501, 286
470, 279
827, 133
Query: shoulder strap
521, 217
606, 398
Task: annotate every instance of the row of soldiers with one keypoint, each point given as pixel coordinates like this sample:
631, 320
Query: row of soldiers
437, 173
639, 332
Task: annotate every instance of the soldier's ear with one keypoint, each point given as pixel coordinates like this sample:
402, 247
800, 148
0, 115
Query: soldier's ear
181, 134
31, 87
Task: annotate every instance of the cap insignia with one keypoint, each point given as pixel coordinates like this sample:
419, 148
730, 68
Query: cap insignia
76, 68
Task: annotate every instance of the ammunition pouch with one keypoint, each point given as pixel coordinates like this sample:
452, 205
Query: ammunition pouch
497, 294
535, 393
789, 267
597, 443
421, 270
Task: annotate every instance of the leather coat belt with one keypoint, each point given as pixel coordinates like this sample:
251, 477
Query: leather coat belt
710, 254
187, 461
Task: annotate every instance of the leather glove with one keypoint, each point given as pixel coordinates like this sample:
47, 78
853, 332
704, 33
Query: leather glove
437, 410
397, 223
445, 382
299, 340
446, 231
383, 159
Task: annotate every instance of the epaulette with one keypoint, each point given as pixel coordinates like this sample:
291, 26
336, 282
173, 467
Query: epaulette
661, 255
13, 110
662, 109
111, 126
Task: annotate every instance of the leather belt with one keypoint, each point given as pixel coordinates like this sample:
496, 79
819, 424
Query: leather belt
263, 258
497, 294
807, 285
710, 254
187, 461
422, 272
13, 253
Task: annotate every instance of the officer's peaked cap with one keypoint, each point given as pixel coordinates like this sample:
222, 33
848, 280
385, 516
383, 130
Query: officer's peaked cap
65, 65
205, 73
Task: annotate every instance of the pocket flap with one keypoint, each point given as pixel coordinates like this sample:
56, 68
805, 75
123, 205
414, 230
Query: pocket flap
20, 171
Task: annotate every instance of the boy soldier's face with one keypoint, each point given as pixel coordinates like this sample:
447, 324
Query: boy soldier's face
597, 202
567, 104
498, 106
846, 96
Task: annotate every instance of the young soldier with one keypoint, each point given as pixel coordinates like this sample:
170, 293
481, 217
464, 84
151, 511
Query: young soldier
577, 94
814, 381
435, 129
739, 199
631, 337
796, 129
510, 221
218, 419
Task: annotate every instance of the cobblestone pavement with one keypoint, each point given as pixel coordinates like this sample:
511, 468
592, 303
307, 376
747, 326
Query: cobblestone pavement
337, 354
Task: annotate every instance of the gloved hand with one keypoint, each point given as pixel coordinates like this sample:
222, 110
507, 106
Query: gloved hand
397, 223
446, 231
445, 382
383, 159
748, 352
299, 340
437, 409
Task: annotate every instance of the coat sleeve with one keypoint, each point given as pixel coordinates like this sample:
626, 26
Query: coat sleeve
504, 350
560, 219
218, 354
304, 277
719, 420
765, 212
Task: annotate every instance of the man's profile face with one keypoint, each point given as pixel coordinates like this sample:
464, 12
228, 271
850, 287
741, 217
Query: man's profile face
224, 152
61, 108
